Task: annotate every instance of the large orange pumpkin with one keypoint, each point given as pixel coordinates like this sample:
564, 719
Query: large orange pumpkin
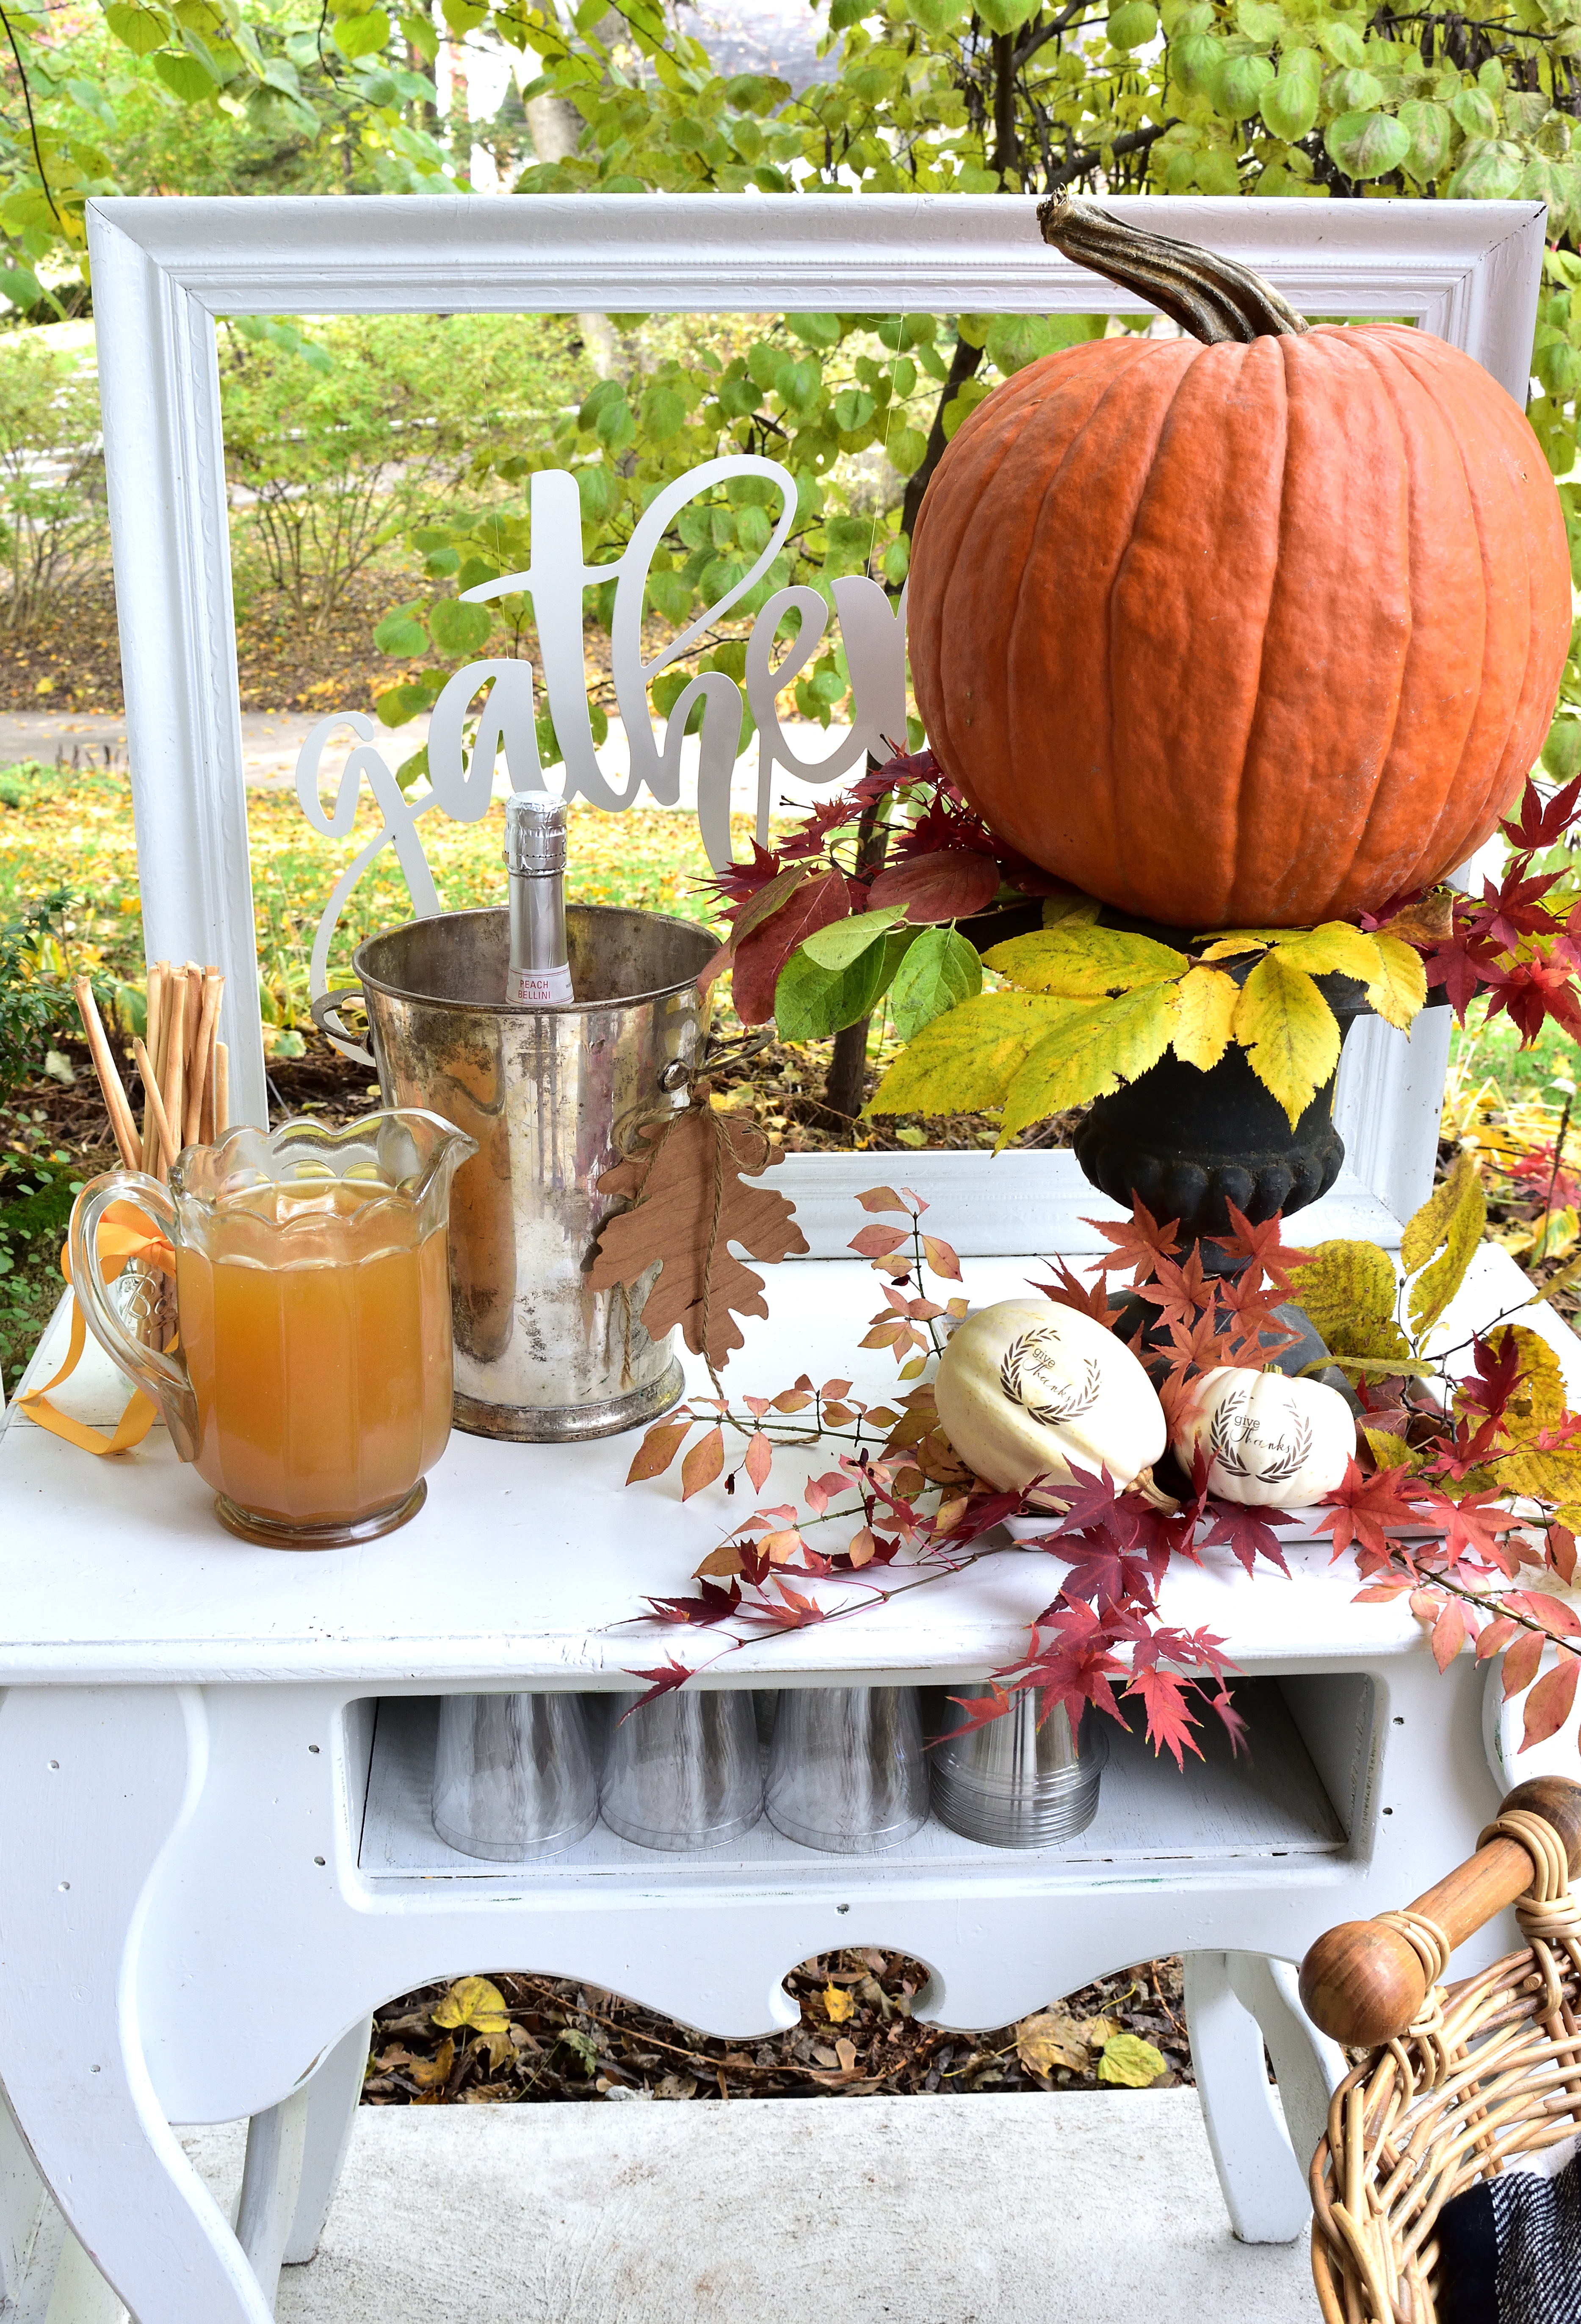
1256, 633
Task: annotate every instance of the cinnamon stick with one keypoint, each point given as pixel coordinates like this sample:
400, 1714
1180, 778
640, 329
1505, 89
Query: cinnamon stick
221, 1089
116, 1102
198, 1065
159, 972
172, 1070
167, 1143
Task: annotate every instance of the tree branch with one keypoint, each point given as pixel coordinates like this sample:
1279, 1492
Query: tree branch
1051, 31
1087, 157
964, 363
32, 125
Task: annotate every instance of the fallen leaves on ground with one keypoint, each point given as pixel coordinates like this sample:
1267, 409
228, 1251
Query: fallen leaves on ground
551, 2040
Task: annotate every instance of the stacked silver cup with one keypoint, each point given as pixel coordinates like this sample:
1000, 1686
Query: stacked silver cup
841, 1769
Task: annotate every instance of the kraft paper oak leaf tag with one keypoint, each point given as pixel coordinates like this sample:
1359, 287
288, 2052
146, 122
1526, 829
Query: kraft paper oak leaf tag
690, 1200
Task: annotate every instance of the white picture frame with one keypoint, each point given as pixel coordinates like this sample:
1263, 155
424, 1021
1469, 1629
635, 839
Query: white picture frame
163, 269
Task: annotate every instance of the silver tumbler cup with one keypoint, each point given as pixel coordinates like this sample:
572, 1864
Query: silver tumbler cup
685, 1771
1014, 1783
846, 1772
514, 1776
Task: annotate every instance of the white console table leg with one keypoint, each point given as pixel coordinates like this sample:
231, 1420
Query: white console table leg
1264, 2184
1308, 2066
95, 1784
334, 2095
271, 2177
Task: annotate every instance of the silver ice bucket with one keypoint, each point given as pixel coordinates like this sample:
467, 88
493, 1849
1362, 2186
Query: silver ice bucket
553, 1097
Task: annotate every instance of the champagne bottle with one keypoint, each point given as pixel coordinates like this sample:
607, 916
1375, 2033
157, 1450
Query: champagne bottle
535, 857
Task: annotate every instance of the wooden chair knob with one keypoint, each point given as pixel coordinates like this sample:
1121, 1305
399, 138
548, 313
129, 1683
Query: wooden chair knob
1365, 1981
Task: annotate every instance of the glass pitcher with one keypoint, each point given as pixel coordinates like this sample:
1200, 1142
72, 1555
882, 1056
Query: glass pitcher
310, 1380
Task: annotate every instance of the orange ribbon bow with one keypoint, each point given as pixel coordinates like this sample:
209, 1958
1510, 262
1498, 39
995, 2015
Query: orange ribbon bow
125, 1234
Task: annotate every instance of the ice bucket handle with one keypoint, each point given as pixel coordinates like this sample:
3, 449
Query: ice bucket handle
327, 1019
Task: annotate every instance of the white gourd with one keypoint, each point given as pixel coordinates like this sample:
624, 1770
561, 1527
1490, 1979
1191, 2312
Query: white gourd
1024, 1388
1270, 1441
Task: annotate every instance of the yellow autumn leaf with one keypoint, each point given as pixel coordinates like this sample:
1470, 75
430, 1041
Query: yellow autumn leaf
1069, 911
1542, 1476
1567, 1275
964, 1061
1451, 1221
837, 2003
1090, 1055
1207, 1014
473, 2001
1389, 1451
1084, 963
1539, 1399
1054, 2038
1335, 949
433, 2073
1348, 1290
1289, 1033
1130, 2062
1400, 990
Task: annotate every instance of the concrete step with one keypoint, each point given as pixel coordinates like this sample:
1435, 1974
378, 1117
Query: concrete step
1079, 2208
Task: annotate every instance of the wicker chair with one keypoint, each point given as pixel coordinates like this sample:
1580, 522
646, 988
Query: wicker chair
1458, 2079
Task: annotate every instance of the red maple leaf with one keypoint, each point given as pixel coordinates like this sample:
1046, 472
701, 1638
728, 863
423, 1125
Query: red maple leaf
1068, 1290
1456, 963
708, 1604
737, 883
662, 1680
1139, 1244
1090, 1500
1496, 1374
1542, 823
1107, 1576
1261, 1244
1247, 1533
1532, 991
1364, 1508
1181, 1289
1514, 909
1170, 1723
1473, 1527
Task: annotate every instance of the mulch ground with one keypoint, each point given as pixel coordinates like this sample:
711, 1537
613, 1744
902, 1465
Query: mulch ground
568, 2042
72, 661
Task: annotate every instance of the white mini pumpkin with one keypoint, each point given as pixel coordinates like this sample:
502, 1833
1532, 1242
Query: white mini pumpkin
1270, 1441
1025, 1388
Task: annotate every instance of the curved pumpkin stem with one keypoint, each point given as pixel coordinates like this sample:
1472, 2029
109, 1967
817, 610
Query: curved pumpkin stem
1209, 296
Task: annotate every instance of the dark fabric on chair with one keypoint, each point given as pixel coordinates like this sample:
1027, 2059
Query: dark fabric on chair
1465, 2281
1510, 2250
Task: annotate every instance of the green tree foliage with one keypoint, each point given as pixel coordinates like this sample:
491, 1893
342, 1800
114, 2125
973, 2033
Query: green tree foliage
51, 475
344, 436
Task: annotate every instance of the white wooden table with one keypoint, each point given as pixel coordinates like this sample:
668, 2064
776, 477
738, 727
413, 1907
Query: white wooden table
214, 1762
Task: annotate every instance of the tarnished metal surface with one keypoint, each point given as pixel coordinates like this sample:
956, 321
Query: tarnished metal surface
553, 1099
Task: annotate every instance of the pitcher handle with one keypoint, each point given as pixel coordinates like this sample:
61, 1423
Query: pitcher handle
327, 1019
164, 1377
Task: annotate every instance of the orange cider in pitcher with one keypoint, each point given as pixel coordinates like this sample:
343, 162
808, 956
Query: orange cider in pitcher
315, 1320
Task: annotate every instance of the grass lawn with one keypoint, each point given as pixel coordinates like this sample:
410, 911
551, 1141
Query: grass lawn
65, 828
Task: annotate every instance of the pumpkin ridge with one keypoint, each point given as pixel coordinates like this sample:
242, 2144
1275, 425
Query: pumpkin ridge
999, 447
1494, 782
1159, 641
1384, 355
978, 524
1283, 342
963, 569
1102, 791
1366, 828
1112, 661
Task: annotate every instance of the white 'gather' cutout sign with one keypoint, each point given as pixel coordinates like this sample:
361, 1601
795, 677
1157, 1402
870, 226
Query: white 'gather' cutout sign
461, 783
